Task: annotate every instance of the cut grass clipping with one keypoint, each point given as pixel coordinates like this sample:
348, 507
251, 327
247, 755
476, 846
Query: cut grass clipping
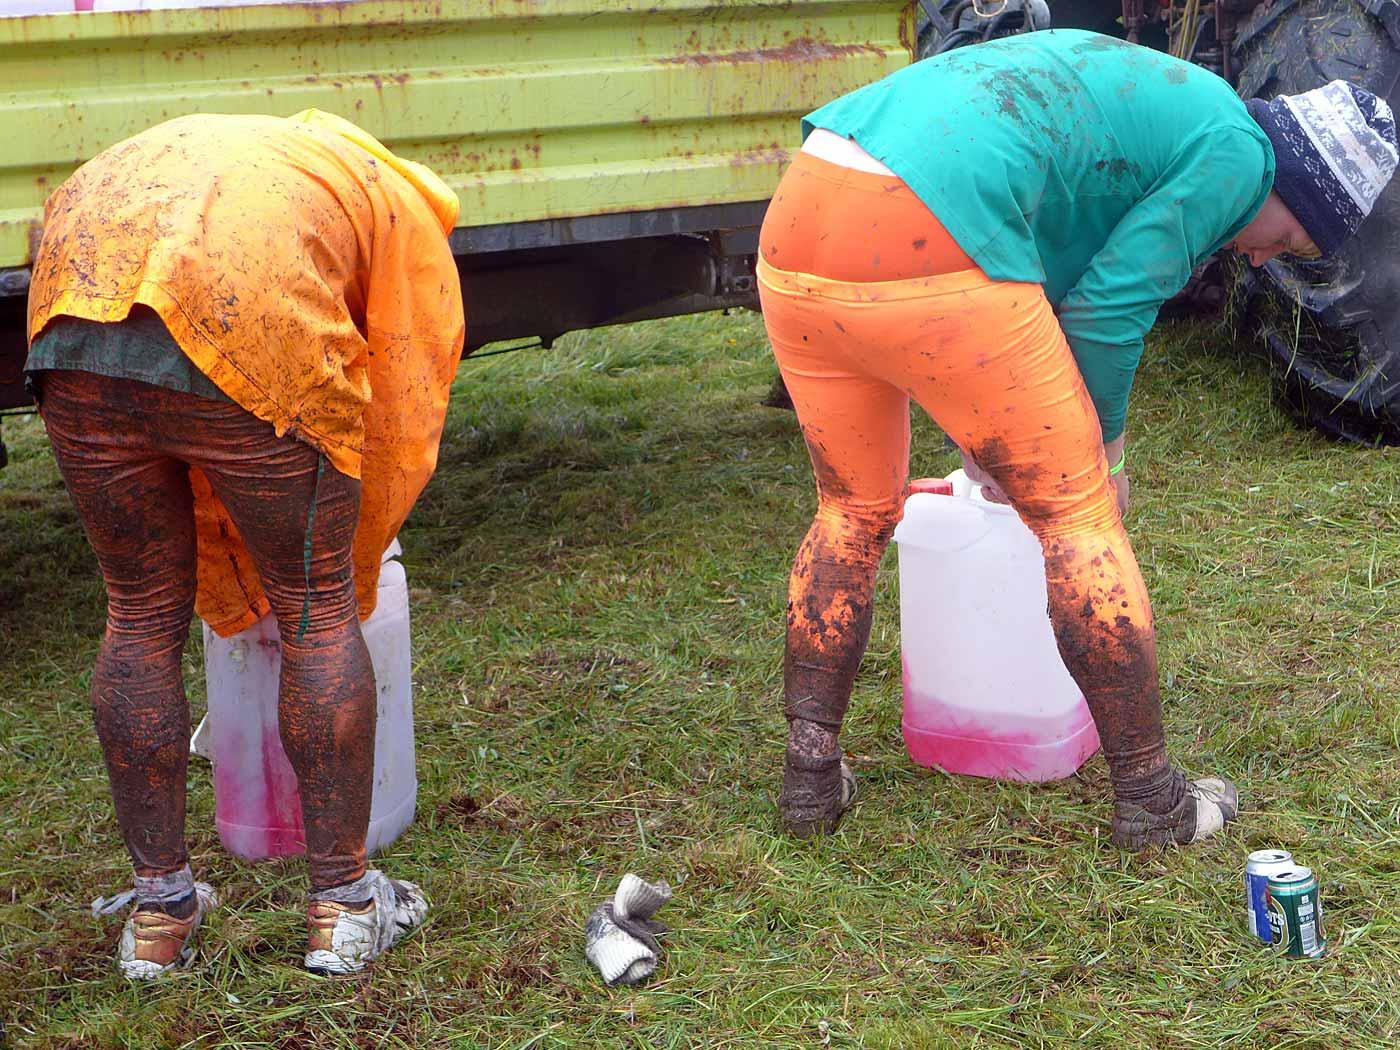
598, 576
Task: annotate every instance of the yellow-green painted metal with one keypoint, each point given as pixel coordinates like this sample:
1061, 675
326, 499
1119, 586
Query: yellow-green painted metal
530, 109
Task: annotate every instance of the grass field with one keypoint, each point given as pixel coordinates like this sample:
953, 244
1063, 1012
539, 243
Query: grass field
598, 575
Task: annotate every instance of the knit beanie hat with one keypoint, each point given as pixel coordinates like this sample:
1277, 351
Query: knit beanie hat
1334, 152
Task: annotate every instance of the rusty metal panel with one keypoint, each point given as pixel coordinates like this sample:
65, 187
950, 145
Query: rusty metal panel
530, 109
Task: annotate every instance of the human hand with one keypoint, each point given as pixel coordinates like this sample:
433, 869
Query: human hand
1113, 451
991, 491
1121, 485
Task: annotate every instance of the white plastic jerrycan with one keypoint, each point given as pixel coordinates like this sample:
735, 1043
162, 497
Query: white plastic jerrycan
985, 691
256, 804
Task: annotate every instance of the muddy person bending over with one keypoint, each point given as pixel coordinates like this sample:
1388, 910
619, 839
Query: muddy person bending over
991, 233
243, 331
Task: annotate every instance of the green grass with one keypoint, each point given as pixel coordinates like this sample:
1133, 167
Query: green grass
598, 575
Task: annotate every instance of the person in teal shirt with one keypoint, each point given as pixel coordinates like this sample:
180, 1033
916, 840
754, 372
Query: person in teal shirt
992, 233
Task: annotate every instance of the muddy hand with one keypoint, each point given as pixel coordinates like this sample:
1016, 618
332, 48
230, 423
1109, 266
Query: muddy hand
991, 491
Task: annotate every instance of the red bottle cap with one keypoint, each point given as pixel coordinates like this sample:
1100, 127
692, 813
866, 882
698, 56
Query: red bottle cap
933, 486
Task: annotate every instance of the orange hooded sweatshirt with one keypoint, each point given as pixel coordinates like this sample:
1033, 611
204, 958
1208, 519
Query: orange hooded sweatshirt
305, 270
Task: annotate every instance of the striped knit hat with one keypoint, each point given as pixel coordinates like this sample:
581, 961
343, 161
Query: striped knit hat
1334, 151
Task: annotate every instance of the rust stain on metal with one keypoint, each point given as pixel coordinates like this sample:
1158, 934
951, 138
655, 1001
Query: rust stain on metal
803, 49
773, 153
35, 231
904, 38
487, 160
320, 11
376, 79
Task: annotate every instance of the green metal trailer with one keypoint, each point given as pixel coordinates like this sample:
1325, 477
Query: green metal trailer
613, 157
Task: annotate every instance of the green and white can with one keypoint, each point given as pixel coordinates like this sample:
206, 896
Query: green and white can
1295, 914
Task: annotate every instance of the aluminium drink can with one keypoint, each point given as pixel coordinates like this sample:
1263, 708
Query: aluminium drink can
1295, 914
1261, 864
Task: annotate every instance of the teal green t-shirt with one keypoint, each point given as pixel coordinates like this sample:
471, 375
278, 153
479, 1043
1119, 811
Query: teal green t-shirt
139, 347
1101, 170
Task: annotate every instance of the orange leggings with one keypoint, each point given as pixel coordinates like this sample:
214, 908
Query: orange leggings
899, 311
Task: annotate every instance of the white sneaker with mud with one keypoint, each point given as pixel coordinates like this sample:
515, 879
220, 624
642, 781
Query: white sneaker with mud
154, 943
344, 938
1206, 807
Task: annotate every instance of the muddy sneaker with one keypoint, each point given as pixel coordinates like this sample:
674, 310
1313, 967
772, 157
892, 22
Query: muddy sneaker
154, 943
816, 791
344, 937
1207, 806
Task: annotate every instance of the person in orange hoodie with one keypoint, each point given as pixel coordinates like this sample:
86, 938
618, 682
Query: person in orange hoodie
243, 330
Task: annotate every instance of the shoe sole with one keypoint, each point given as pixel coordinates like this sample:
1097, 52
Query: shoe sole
1137, 834
811, 829
145, 970
328, 964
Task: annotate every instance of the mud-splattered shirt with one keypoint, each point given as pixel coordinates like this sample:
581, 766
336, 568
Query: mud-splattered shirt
1098, 169
305, 270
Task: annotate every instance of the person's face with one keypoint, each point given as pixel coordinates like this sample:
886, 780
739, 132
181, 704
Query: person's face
1274, 231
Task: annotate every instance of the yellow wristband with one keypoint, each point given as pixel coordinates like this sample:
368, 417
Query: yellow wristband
1117, 468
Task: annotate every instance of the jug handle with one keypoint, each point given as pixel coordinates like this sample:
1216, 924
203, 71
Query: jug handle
966, 522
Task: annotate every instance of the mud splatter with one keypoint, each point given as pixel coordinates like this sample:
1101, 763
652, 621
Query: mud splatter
1119, 168
799, 52
830, 603
125, 450
1104, 631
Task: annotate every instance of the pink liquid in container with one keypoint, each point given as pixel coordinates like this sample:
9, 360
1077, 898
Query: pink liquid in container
257, 807
985, 691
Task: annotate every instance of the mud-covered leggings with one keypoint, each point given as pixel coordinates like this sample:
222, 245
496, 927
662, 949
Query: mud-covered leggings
900, 312
125, 450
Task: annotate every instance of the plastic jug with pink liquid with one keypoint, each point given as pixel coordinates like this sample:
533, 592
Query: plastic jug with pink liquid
256, 804
985, 691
